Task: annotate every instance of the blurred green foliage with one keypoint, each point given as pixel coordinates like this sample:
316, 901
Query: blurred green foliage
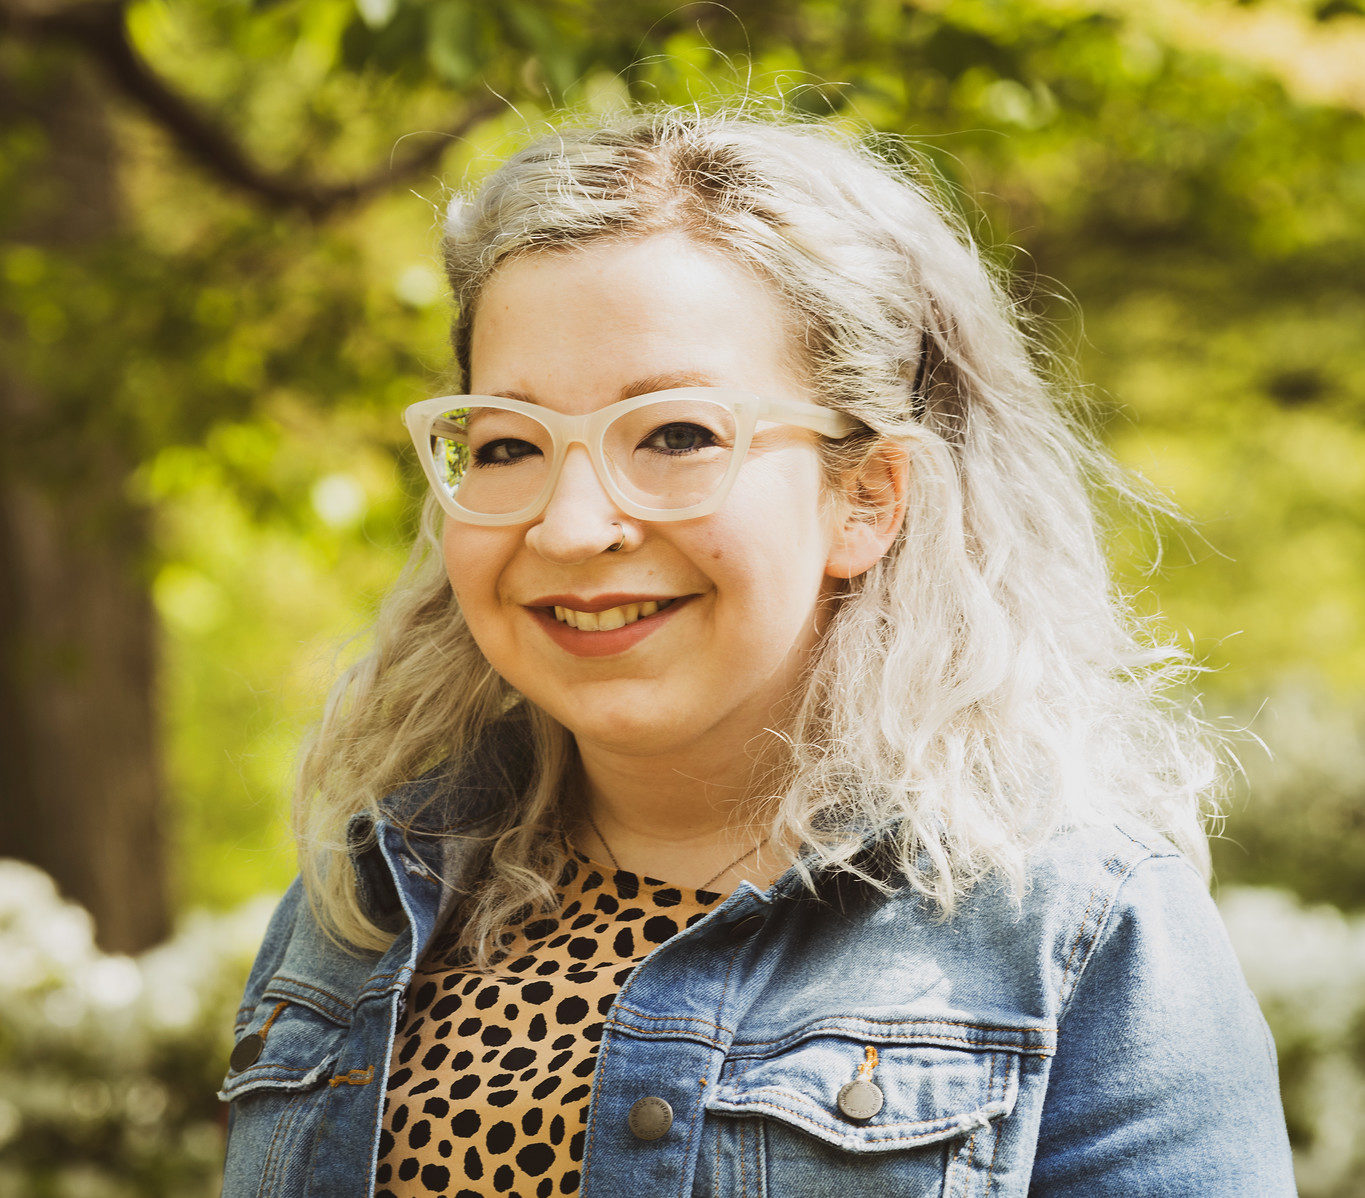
1181, 213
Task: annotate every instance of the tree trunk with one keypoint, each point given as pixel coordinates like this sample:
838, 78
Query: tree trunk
80, 774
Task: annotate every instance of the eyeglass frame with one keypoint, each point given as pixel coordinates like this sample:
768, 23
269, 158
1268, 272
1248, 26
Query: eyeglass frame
589, 431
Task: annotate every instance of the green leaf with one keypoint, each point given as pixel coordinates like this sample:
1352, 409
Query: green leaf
453, 42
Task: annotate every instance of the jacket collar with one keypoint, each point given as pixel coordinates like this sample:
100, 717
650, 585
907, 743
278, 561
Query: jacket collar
420, 818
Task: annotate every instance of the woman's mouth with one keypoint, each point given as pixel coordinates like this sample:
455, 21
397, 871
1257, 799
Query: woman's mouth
616, 623
612, 618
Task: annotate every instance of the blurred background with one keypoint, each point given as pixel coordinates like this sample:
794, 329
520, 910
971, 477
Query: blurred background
220, 287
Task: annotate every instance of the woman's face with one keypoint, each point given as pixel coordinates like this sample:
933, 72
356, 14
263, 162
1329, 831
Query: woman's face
741, 588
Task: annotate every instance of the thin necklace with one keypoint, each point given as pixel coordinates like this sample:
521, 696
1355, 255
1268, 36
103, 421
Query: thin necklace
592, 823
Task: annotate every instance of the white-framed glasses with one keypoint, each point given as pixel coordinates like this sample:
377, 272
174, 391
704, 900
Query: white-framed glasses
669, 455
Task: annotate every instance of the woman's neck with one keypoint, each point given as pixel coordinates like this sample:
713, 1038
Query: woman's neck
683, 820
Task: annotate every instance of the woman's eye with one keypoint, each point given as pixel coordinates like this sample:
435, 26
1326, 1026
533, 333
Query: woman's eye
679, 438
503, 451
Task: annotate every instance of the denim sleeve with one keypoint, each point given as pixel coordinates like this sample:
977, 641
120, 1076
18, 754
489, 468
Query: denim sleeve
1164, 1080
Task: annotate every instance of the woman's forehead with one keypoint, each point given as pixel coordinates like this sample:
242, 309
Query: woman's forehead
613, 315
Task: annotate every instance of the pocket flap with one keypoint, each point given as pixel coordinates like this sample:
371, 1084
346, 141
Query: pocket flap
928, 1092
283, 1046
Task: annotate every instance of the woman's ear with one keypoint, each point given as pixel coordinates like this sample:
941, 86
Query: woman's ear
869, 510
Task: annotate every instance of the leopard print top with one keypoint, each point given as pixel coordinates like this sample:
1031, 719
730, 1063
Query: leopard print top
490, 1080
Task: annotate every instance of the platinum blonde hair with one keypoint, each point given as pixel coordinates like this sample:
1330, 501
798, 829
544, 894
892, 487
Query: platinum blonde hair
981, 688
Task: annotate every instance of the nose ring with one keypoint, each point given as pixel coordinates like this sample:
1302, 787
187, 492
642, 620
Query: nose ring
621, 540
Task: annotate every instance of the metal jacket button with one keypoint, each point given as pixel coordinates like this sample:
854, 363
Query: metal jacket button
860, 1099
246, 1050
650, 1118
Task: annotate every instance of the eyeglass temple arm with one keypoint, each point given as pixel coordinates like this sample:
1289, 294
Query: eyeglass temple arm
441, 427
812, 416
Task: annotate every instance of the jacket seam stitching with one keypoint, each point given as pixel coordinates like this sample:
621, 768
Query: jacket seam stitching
917, 1038
273, 1162
694, 1130
944, 1121
1065, 997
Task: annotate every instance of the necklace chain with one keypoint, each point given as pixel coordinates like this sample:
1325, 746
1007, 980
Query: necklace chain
592, 823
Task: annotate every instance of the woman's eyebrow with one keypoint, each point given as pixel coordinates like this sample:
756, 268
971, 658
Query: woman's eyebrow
641, 386
666, 382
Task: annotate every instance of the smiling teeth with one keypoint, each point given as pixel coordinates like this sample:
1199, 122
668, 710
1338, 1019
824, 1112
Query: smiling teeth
612, 618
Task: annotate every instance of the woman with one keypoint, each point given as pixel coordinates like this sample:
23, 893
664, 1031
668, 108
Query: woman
757, 786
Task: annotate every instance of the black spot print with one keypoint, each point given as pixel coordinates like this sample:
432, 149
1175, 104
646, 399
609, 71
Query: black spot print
518, 1058
435, 1177
536, 993
486, 998
447, 1006
660, 928
473, 1163
571, 1010
500, 1137
535, 1159
494, 1073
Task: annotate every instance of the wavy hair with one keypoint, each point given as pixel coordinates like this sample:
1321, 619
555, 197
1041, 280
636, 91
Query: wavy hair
979, 689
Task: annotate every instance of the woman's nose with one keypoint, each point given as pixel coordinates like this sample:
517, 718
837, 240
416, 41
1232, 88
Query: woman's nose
581, 520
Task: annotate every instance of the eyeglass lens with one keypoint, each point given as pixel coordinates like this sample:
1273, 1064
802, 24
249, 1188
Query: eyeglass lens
669, 454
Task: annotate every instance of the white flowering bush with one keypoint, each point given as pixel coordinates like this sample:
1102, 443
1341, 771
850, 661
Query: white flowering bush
1306, 965
109, 1065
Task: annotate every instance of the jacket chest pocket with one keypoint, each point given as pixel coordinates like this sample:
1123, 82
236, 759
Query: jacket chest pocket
282, 1066
834, 1117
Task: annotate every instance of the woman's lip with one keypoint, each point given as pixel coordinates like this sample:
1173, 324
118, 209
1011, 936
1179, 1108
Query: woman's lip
600, 603
604, 644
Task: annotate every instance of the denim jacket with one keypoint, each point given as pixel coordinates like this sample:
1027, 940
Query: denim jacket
1097, 1040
